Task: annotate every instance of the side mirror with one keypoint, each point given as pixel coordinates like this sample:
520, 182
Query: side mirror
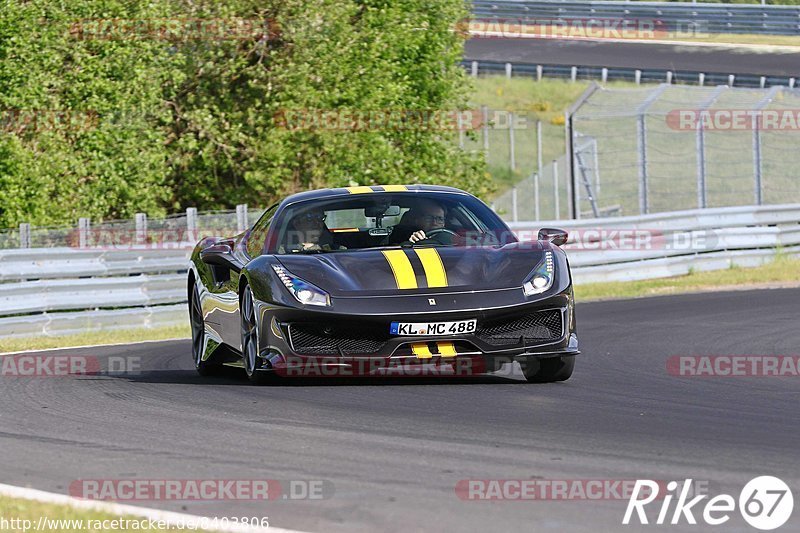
220, 255
555, 236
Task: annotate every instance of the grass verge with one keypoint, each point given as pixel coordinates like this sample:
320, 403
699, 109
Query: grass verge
25, 515
782, 271
95, 338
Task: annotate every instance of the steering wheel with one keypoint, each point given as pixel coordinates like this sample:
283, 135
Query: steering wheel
437, 231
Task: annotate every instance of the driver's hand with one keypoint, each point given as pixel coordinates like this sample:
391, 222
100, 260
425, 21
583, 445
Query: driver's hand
309, 246
417, 236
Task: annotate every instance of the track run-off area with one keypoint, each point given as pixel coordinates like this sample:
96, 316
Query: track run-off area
388, 454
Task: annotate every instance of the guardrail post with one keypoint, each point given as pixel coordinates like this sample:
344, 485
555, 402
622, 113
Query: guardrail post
763, 82
191, 224
84, 227
508, 70
539, 70
141, 228
24, 235
573, 74
474, 69
669, 77
731, 78
791, 83
604, 75
241, 217
638, 76
511, 143
701, 79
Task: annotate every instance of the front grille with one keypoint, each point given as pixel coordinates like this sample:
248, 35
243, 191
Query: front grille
536, 327
312, 339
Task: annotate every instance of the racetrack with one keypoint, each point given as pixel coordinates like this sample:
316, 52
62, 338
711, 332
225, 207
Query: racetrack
395, 449
717, 59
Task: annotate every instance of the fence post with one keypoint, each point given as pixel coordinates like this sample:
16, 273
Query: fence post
84, 226
141, 228
641, 143
536, 196
701, 165
24, 235
511, 147
757, 160
538, 165
485, 111
556, 209
191, 224
241, 217
460, 126
514, 212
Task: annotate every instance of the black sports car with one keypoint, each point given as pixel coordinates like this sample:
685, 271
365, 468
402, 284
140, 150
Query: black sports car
382, 280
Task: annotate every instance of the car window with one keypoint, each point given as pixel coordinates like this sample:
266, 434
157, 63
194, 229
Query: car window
374, 221
258, 235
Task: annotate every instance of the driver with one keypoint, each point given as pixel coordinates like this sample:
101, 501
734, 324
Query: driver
426, 216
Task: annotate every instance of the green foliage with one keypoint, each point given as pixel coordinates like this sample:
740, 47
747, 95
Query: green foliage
148, 121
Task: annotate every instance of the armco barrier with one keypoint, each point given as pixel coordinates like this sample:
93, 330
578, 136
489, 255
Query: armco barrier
685, 16
56, 291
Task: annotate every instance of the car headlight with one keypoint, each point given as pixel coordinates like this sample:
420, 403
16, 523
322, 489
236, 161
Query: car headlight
542, 278
303, 291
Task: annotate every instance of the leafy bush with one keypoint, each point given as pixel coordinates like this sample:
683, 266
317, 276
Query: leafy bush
128, 119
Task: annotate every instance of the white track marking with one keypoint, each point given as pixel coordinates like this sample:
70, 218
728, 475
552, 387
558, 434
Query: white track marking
172, 519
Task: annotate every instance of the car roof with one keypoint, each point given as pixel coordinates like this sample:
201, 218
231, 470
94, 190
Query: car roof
368, 189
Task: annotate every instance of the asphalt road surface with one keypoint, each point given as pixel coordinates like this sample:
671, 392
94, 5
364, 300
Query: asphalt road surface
766, 62
392, 451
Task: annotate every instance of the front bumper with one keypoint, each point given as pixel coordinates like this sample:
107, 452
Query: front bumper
295, 342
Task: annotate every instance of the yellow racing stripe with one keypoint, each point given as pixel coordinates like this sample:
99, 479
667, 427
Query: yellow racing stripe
446, 349
401, 267
359, 190
434, 269
421, 350
394, 188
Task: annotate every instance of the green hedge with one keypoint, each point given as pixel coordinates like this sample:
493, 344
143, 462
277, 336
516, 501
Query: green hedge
154, 111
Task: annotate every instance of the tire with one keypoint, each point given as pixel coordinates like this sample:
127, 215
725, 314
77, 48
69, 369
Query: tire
549, 370
250, 341
208, 367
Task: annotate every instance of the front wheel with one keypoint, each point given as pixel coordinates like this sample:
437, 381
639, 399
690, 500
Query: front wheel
252, 362
207, 367
549, 370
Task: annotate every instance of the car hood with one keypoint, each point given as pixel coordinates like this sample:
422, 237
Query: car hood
418, 270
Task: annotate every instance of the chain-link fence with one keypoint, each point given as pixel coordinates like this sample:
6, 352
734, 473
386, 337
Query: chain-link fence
677, 147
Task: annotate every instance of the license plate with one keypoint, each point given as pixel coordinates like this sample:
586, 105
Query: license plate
433, 328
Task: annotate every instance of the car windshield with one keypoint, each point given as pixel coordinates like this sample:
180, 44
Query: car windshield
381, 220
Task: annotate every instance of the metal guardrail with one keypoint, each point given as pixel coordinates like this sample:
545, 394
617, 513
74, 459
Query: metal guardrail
710, 18
88, 290
603, 74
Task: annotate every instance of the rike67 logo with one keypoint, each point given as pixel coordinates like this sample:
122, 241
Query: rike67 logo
766, 503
